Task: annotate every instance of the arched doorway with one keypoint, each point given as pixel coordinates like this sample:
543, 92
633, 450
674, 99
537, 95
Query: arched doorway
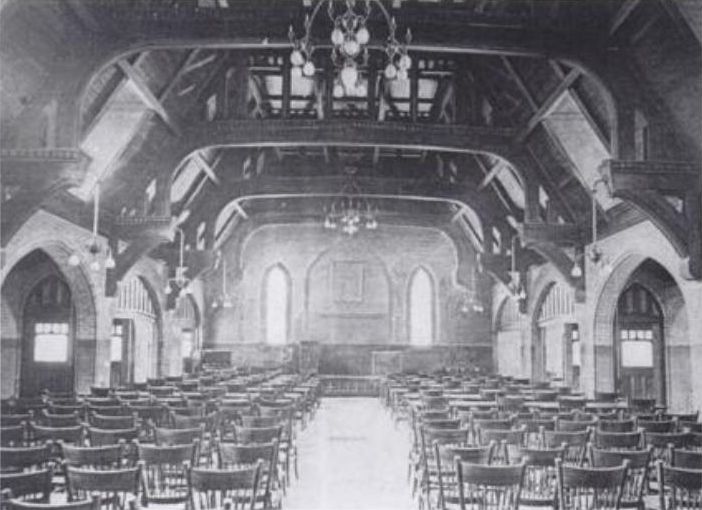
137, 327
509, 354
642, 301
422, 306
276, 306
640, 345
552, 354
48, 339
187, 324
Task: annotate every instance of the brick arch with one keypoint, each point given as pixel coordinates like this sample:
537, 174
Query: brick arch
76, 277
675, 324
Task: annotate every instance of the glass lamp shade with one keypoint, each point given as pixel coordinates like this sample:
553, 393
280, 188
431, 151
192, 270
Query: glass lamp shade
405, 62
351, 47
349, 75
390, 71
296, 72
74, 260
308, 69
402, 74
363, 36
296, 58
95, 265
337, 37
338, 90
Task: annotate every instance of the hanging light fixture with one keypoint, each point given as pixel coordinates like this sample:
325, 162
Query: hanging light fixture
351, 212
180, 281
595, 254
94, 248
350, 36
224, 300
516, 285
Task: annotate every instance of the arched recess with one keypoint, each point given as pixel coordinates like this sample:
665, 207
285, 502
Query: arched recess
139, 312
187, 322
421, 308
276, 292
508, 343
677, 353
552, 329
26, 268
349, 296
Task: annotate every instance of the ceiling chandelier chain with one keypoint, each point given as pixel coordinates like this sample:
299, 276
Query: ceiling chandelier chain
224, 300
350, 36
94, 247
352, 211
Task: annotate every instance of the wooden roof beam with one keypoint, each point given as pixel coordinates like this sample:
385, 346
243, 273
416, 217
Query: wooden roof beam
148, 96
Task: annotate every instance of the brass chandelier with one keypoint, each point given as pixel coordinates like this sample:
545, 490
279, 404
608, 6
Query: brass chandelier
350, 36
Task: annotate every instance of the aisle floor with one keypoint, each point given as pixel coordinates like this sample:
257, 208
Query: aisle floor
352, 457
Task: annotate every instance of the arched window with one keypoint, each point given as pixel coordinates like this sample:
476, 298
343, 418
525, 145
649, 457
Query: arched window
276, 302
421, 308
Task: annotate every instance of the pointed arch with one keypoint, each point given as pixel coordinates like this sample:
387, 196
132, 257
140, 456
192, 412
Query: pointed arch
421, 299
276, 290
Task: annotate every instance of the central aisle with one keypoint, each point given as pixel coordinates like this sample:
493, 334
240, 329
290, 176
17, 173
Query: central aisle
352, 457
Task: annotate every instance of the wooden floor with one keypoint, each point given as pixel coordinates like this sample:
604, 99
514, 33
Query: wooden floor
352, 457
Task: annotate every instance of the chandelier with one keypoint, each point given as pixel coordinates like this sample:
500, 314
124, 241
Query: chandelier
180, 281
350, 212
350, 36
94, 247
595, 253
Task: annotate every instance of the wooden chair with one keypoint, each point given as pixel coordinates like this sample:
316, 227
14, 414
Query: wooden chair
216, 489
71, 435
445, 455
581, 488
618, 440
236, 456
482, 487
247, 435
636, 481
574, 425
576, 444
493, 424
685, 458
164, 472
540, 484
15, 435
16, 459
534, 430
93, 457
681, 489
32, 486
117, 488
425, 473
17, 504
691, 426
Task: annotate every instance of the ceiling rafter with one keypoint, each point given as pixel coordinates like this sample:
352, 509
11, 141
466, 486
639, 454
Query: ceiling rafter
148, 96
542, 111
622, 14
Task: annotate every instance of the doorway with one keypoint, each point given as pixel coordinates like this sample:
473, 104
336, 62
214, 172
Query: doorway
48, 338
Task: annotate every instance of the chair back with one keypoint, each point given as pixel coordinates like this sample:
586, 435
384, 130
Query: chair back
540, 484
215, 489
93, 457
114, 486
686, 458
59, 420
236, 456
482, 487
451, 423
576, 443
618, 440
13, 435
32, 486
171, 437
103, 437
246, 435
103, 421
90, 504
636, 481
72, 435
684, 487
164, 472
573, 425
591, 488
13, 420
24, 458
658, 427
617, 425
